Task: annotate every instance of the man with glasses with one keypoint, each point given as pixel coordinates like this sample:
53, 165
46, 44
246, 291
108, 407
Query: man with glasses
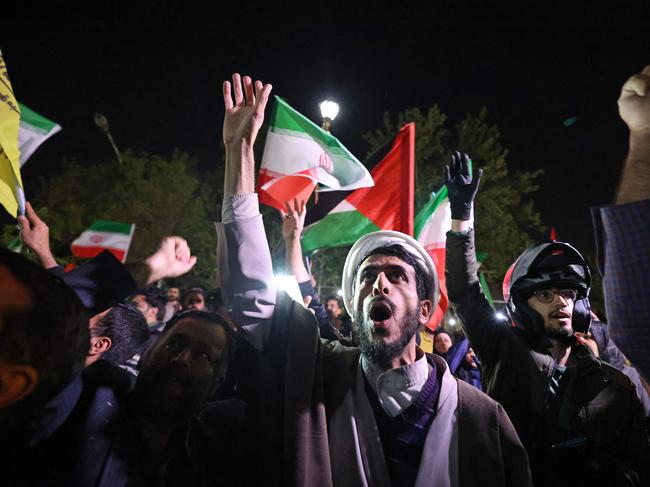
578, 417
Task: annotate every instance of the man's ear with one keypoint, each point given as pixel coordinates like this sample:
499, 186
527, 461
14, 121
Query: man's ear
99, 345
17, 381
426, 310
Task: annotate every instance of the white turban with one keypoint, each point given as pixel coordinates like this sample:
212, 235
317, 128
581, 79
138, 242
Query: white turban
384, 238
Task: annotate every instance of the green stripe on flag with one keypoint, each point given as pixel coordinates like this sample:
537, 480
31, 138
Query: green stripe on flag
287, 119
335, 230
37, 122
108, 226
485, 288
425, 213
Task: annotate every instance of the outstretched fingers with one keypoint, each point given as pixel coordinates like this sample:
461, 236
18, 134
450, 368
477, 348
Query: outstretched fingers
248, 89
262, 98
464, 164
239, 94
227, 96
477, 179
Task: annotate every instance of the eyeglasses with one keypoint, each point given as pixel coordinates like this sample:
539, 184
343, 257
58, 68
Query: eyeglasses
548, 295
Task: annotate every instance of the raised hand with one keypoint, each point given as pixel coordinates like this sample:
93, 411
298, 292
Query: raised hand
634, 102
172, 259
35, 234
245, 115
461, 187
293, 219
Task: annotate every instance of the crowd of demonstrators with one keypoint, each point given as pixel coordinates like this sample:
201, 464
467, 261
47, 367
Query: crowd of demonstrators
106, 379
393, 415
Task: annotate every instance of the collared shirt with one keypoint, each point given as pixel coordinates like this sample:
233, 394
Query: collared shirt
398, 388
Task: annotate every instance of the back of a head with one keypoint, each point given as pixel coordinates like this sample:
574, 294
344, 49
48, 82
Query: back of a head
127, 328
156, 298
545, 265
49, 334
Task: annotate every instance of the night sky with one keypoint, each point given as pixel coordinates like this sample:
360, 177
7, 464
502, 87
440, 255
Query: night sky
155, 70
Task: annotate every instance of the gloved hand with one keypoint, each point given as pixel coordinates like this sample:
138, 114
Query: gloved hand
461, 187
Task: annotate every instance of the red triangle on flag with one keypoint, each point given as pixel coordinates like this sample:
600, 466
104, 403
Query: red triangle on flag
389, 203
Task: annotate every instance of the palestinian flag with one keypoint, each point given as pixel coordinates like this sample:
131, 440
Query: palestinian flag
298, 154
104, 235
34, 129
386, 206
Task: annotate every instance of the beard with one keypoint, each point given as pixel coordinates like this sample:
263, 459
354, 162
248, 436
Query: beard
159, 402
380, 352
563, 335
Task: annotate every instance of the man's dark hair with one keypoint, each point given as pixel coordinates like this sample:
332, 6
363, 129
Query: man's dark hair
156, 298
333, 297
398, 251
127, 329
51, 335
194, 290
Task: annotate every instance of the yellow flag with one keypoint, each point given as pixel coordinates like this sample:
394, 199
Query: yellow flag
10, 181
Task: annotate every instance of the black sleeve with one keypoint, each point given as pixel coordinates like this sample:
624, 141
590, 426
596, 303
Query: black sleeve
100, 283
484, 330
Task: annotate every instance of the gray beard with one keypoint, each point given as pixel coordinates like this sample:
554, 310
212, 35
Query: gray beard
379, 352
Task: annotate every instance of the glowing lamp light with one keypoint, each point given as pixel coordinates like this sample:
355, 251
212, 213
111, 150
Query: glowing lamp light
339, 292
500, 316
451, 321
289, 284
329, 109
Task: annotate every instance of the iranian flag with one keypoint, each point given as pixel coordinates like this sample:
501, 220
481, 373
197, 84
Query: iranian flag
34, 129
386, 206
298, 154
431, 226
104, 235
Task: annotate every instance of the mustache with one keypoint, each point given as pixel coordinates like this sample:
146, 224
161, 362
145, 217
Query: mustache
382, 299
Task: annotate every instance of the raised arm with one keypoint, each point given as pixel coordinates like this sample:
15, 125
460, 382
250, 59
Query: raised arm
243, 257
634, 109
623, 232
293, 221
477, 317
35, 234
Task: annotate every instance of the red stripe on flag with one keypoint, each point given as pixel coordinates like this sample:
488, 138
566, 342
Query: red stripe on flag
284, 189
90, 252
438, 255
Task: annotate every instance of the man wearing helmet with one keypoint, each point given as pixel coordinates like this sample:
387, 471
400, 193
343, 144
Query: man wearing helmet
578, 417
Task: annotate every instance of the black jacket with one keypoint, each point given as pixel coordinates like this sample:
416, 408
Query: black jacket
594, 433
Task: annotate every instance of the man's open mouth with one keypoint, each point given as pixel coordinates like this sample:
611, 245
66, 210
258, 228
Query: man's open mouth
380, 312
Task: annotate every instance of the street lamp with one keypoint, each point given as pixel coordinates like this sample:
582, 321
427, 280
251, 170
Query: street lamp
328, 110
102, 122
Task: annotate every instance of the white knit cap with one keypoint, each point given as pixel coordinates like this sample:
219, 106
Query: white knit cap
385, 238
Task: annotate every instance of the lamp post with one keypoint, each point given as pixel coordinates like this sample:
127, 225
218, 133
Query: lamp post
102, 122
328, 110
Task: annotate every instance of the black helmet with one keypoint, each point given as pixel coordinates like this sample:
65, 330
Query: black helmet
549, 264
